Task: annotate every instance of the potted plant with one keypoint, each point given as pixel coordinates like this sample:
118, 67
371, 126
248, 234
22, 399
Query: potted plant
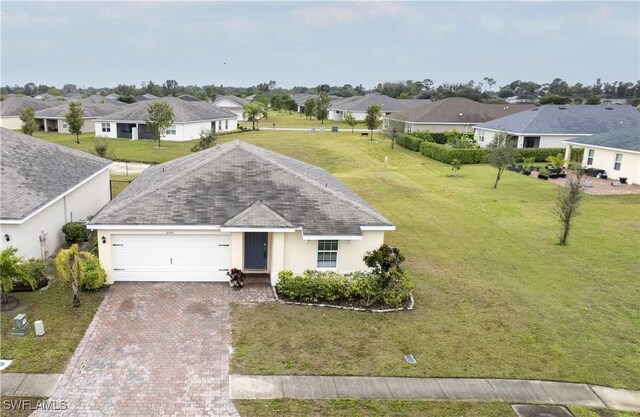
543, 174
236, 278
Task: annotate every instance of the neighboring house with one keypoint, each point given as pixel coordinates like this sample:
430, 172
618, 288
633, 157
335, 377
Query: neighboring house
231, 103
191, 117
454, 113
12, 106
302, 98
187, 97
53, 118
234, 206
113, 96
144, 97
44, 186
616, 151
548, 126
519, 100
358, 106
51, 97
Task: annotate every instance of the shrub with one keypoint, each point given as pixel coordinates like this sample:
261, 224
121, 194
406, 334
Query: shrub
36, 269
74, 232
236, 278
93, 276
446, 154
409, 141
206, 140
102, 147
385, 263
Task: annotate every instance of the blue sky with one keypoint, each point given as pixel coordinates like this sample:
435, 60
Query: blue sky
310, 43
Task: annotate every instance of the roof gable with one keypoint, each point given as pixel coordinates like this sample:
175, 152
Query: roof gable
258, 215
627, 139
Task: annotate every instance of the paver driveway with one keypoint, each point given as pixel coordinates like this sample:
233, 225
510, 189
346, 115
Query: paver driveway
153, 349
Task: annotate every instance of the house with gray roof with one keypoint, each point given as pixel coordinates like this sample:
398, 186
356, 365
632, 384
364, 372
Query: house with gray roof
549, 125
301, 99
12, 106
233, 104
358, 105
52, 119
44, 186
191, 117
617, 152
234, 206
453, 113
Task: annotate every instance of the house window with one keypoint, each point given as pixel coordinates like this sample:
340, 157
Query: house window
590, 156
219, 125
481, 135
226, 125
327, 253
65, 125
618, 163
171, 130
106, 127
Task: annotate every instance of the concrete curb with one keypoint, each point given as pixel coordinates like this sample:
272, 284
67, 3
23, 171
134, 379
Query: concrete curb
250, 387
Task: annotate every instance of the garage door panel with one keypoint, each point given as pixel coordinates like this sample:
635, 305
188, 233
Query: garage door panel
170, 257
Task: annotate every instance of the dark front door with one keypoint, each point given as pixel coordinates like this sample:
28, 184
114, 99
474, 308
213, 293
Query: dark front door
255, 251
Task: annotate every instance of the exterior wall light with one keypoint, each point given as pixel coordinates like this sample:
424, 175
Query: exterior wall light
7, 237
103, 239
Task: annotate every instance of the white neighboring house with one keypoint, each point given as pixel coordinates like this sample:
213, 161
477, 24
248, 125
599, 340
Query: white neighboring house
550, 125
617, 152
12, 106
191, 117
53, 118
358, 106
233, 104
44, 186
234, 206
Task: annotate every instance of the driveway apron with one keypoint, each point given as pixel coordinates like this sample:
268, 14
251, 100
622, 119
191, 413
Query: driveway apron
152, 349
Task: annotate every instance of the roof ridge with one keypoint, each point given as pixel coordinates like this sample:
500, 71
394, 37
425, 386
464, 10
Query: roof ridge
319, 186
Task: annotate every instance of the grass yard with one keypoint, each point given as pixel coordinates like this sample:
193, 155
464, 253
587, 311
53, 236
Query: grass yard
64, 327
119, 182
284, 119
495, 296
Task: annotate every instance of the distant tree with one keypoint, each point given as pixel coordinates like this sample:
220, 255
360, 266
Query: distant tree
75, 119
206, 140
254, 111
11, 272
553, 99
322, 107
359, 90
490, 82
323, 88
372, 119
28, 118
159, 120
351, 120
309, 108
577, 100
170, 88
394, 127
276, 102
501, 152
69, 88
289, 104
593, 100
126, 99
52, 91
567, 203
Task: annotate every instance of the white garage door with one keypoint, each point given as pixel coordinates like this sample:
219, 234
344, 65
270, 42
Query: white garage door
170, 257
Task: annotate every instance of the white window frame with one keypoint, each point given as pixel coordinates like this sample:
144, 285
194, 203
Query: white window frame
590, 154
171, 130
65, 125
106, 127
617, 164
481, 135
329, 251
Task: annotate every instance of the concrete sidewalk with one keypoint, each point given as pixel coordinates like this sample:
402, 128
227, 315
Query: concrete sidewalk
249, 387
28, 385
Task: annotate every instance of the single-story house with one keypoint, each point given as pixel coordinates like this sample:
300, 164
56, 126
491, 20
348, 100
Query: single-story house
453, 113
188, 97
234, 206
550, 125
231, 103
12, 106
616, 151
191, 117
53, 118
146, 96
358, 106
301, 99
44, 186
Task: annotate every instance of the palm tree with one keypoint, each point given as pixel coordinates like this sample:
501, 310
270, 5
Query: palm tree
254, 111
557, 161
11, 272
70, 265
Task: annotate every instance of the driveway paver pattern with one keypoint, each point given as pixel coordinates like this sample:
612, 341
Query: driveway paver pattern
153, 349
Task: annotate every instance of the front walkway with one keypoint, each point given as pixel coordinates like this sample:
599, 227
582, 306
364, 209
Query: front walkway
152, 349
248, 387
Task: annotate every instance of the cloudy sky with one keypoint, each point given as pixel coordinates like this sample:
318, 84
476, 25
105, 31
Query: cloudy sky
309, 43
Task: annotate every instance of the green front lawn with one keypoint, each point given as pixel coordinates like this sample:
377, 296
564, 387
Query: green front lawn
495, 295
284, 119
64, 327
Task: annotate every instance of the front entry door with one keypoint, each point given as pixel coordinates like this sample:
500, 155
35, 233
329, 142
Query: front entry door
255, 251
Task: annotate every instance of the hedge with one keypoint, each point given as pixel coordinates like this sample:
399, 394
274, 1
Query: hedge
447, 154
410, 142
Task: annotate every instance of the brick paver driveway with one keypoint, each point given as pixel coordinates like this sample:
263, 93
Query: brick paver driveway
153, 349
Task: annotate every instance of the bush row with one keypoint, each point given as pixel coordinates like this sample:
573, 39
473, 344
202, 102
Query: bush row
358, 288
447, 154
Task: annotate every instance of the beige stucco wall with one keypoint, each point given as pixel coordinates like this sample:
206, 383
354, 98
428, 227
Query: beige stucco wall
87, 127
439, 128
11, 122
605, 159
77, 205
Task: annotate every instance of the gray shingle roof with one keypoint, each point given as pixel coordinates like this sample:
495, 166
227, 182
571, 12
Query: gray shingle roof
183, 111
239, 101
14, 105
568, 119
388, 104
91, 110
627, 139
449, 110
241, 184
34, 171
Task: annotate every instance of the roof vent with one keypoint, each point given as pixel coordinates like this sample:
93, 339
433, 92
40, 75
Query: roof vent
534, 109
609, 108
562, 107
460, 114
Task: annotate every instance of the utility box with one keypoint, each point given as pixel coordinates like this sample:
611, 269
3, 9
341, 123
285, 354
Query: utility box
334, 128
39, 327
20, 325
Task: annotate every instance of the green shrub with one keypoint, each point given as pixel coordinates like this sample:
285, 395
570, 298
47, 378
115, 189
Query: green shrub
74, 232
399, 292
541, 154
409, 141
446, 154
102, 147
36, 269
93, 276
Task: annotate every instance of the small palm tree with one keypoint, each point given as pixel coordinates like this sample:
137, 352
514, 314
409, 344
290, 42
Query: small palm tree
12, 271
70, 265
557, 161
